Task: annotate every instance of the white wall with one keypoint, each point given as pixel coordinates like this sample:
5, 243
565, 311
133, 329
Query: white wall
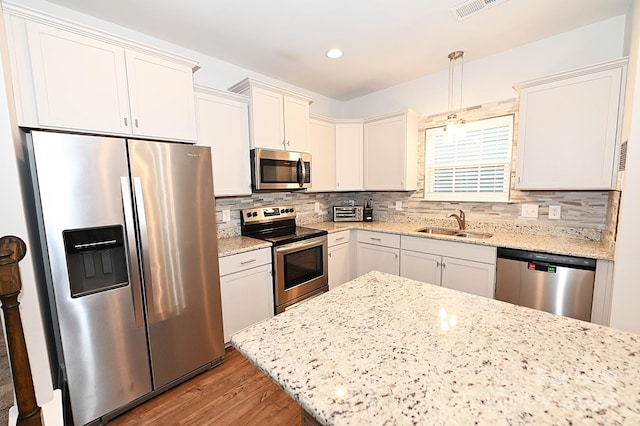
626, 286
213, 72
13, 222
491, 79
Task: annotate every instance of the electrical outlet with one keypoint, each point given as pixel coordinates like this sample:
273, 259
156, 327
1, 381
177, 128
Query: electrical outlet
226, 215
398, 205
529, 210
555, 212
317, 207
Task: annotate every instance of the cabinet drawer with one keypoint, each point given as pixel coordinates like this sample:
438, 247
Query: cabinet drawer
242, 261
379, 238
468, 251
336, 238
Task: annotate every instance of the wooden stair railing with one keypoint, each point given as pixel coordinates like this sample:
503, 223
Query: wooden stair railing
12, 251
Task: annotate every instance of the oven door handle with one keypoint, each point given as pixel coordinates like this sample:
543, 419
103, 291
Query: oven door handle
302, 172
302, 245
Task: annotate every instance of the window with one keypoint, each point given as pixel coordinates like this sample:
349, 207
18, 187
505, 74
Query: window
473, 165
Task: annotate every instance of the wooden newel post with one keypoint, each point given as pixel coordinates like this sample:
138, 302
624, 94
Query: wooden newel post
12, 251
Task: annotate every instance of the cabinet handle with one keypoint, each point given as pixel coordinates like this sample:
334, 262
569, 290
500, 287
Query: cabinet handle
288, 143
396, 256
136, 122
375, 239
444, 264
340, 239
244, 262
438, 264
126, 123
329, 254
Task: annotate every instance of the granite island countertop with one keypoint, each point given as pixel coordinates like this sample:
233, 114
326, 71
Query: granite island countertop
382, 349
544, 243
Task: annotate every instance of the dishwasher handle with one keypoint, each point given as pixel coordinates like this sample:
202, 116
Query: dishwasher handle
547, 258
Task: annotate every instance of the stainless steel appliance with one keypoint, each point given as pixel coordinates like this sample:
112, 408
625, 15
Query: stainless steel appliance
558, 284
347, 213
300, 255
271, 169
129, 240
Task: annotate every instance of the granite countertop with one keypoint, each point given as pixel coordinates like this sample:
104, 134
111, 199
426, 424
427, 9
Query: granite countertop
382, 349
235, 245
559, 245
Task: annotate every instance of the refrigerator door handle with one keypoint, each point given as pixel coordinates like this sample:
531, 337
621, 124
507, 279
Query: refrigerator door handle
144, 243
134, 272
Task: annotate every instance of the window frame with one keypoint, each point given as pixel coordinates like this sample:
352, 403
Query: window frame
476, 196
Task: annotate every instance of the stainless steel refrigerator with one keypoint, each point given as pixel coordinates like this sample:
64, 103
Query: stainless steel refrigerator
129, 243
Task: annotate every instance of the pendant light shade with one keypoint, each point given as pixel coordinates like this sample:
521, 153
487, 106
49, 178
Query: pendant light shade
453, 122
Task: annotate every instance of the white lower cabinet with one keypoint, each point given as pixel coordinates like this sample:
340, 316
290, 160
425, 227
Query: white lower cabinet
340, 264
465, 267
378, 251
246, 288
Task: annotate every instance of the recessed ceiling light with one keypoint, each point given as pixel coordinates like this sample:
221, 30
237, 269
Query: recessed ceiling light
334, 53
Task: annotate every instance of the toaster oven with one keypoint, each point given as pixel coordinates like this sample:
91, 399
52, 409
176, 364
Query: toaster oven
347, 213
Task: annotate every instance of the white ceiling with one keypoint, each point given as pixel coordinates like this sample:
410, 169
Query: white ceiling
385, 42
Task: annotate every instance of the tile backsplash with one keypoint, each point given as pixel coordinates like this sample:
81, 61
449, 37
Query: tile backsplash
585, 214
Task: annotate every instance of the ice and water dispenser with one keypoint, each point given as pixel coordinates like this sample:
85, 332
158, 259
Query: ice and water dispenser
96, 259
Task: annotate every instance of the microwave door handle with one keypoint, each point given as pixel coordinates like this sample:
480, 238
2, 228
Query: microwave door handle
302, 176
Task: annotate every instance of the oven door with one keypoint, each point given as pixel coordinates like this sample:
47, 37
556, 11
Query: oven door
300, 269
280, 169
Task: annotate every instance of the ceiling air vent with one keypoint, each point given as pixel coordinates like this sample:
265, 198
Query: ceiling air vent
472, 7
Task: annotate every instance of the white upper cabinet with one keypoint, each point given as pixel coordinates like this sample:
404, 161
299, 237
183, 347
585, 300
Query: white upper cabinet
79, 83
391, 152
569, 130
323, 152
223, 125
278, 118
349, 140
70, 77
161, 97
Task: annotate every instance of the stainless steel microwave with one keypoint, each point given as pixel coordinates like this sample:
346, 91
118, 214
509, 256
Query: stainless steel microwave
272, 169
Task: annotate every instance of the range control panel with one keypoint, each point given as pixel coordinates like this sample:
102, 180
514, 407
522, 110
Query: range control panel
268, 214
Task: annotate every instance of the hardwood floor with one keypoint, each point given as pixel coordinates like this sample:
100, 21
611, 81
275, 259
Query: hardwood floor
234, 393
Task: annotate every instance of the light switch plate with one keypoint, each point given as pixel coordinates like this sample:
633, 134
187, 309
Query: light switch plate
555, 212
226, 215
398, 205
530, 211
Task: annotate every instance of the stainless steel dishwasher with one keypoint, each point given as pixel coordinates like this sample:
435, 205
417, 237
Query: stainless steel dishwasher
558, 284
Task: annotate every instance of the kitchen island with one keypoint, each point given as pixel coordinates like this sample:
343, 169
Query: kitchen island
382, 349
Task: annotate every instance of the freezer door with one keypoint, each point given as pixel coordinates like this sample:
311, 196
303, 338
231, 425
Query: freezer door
173, 191
79, 186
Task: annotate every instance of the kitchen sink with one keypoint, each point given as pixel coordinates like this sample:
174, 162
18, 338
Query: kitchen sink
455, 233
478, 235
439, 231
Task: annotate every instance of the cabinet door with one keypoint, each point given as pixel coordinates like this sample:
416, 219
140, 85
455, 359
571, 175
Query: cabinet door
161, 98
79, 83
568, 133
267, 119
339, 265
223, 125
384, 154
296, 124
470, 277
377, 258
418, 266
323, 152
247, 298
349, 139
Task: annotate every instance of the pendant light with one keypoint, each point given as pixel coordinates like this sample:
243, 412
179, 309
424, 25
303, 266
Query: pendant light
454, 124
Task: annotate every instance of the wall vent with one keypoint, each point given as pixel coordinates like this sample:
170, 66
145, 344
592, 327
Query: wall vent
472, 7
623, 157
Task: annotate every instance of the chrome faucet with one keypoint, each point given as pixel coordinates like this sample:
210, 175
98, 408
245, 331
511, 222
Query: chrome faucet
460, 218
